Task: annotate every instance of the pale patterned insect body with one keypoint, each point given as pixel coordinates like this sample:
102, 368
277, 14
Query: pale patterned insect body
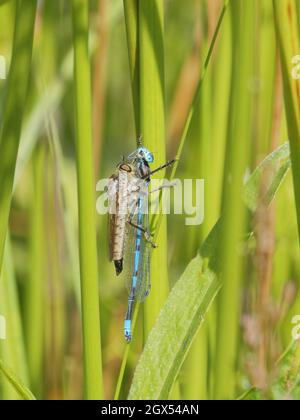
122, 195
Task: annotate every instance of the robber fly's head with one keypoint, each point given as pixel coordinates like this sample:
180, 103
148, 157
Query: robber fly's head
145, 154
125, 167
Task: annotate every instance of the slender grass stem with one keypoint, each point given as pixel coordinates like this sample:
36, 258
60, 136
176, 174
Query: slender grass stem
12, 349
152, 123
86, 203
54, 312
131, 11
14, 106
35, 290
196, 385
233, 224
22, 390
288, 37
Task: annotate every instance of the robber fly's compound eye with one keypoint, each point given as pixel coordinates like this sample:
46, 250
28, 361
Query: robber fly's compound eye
125, 167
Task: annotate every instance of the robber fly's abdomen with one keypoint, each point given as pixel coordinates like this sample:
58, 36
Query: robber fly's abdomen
121, 196
120, 217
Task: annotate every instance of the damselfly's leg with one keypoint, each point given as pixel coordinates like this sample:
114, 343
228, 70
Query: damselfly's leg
147, 234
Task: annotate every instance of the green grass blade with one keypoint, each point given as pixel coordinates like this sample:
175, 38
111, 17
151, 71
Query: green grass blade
152, 123
277, 164
14, 106
67, 179
86, 204
12, 349
35, 286
185, 309
22, 391
234, 220
214, 105
252, 394
170, 339
131, 12
288, 37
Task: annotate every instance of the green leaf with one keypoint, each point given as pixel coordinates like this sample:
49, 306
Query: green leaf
252, 394
171, 337
276, 165
286, 386
189, 300
12, 349
24, 392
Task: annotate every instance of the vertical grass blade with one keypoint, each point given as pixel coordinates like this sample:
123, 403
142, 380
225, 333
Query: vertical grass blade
131, 12
99, 81
14, 105
152, 123
12, 349
55, 303
194, 382
86, 203
288, 38
36, 283
233, 224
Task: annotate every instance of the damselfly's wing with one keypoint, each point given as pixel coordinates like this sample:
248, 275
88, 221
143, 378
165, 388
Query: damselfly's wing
142, 253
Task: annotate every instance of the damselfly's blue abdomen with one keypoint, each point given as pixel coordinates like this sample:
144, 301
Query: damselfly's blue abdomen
127, 330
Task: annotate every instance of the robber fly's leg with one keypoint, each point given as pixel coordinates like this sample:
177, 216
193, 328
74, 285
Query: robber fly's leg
160, 168
147, 234
161, 187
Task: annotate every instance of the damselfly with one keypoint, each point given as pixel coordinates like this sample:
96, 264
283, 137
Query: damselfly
129, 235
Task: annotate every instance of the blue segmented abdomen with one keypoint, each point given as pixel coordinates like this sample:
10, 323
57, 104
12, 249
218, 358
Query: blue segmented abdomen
137, 252
131, 299
127, 329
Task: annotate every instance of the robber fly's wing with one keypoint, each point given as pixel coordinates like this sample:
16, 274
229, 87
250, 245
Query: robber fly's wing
137, 254
112, 191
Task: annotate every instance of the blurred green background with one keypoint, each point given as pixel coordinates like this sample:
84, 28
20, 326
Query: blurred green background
239, 119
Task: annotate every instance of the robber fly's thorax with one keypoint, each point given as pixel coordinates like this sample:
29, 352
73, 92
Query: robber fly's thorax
143, 170
139, 168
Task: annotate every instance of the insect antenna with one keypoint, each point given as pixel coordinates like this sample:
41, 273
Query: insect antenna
140, 140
